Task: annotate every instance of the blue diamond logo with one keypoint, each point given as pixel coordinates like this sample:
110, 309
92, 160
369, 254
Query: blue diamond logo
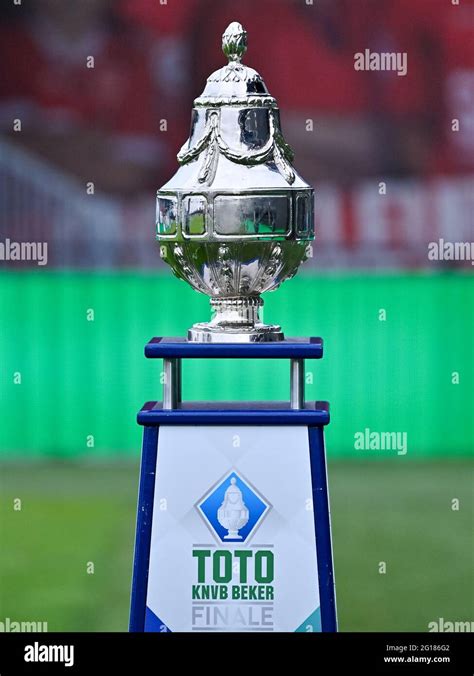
233, 508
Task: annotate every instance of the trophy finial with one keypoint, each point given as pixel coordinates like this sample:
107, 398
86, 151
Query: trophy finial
234, 42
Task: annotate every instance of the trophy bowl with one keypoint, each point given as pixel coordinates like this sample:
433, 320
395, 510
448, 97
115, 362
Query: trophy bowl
236, 219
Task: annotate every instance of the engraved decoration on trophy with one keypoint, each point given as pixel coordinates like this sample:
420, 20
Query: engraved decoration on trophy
236, 219
233, 513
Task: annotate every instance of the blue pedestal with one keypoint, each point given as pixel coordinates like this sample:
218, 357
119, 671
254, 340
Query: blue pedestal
233, 527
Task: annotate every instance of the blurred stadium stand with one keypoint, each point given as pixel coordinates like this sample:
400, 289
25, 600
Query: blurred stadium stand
41, 203
355, 227
102, 125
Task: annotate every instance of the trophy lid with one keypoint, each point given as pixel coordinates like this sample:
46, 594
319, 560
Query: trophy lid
236, 172
235, 83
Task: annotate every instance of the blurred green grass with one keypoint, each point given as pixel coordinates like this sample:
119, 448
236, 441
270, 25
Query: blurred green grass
394, 511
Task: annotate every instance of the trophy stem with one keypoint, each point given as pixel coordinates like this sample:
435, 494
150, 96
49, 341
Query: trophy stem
235, 319
236, 312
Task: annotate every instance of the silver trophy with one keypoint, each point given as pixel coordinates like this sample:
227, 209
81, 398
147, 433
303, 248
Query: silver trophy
236, 219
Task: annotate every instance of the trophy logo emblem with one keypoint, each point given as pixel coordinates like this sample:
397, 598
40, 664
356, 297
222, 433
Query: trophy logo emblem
233, 509
233, 514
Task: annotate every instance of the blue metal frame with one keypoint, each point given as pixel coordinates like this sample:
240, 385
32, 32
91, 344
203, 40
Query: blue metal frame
257, 413
314, 416
322, 526
291, 348
143, 531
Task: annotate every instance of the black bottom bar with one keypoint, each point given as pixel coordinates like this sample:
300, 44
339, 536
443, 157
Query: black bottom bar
151, 653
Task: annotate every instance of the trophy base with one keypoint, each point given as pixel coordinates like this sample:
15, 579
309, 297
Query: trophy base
279, 440
260, 333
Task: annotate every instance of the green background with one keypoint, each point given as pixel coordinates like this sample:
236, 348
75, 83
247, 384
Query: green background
82, 378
